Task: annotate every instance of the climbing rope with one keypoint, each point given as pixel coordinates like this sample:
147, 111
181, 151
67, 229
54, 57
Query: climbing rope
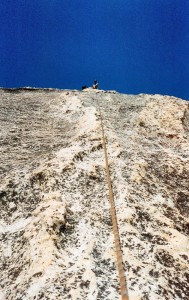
122, 277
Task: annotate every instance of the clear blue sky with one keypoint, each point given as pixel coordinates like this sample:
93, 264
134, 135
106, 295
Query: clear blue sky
132, 46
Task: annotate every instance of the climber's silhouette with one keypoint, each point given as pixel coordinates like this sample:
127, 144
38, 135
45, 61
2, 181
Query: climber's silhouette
95, 85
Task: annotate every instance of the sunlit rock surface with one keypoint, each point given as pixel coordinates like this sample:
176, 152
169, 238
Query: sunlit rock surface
56, 231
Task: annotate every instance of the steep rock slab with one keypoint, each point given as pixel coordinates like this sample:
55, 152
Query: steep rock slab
57, 237
150, 180
56, 229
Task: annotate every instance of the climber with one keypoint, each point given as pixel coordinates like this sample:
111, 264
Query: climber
95, 85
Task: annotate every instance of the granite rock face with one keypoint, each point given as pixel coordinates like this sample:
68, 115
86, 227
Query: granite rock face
55, 226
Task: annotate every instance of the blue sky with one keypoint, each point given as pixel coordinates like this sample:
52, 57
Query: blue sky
132, 46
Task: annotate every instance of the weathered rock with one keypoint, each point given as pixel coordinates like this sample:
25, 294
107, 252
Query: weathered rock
56, 231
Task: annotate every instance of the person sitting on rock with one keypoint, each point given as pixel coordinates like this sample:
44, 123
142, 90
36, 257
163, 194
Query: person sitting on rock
95, 85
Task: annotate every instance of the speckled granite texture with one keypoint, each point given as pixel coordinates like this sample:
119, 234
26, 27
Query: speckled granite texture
55, 226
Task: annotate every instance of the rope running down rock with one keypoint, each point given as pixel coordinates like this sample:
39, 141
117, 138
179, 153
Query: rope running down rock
122, 277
